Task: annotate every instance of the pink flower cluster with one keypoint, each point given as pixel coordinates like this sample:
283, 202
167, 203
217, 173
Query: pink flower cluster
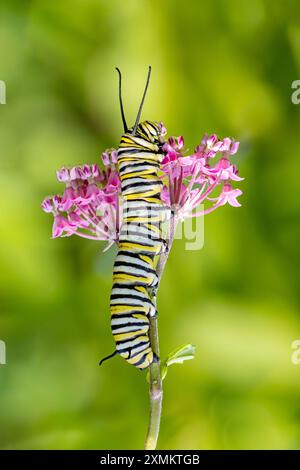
91, 206
189, 180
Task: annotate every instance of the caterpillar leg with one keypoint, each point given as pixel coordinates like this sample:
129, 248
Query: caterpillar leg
155, 315
155, 357
152, 312
152, 292
154, 283
164, 247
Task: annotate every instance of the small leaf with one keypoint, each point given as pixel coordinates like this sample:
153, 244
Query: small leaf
178, 356
164, 370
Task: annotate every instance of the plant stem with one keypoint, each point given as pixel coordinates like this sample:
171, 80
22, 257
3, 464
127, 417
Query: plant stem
155, 386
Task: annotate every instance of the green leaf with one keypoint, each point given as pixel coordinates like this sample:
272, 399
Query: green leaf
178, 356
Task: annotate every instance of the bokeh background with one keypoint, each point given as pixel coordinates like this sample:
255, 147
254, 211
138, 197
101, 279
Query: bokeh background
222, 66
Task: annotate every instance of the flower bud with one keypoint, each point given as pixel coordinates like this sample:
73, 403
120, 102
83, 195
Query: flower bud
105, 158
47, 205
63, 175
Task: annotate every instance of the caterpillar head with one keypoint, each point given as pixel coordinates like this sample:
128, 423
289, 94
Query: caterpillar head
147, 141
151, 131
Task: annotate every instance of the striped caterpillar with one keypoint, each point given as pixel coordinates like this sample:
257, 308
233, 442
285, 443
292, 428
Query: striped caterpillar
134, 277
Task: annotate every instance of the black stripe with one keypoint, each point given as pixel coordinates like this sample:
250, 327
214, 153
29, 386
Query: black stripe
134, 150
121, 286
134, 265
126, 325
131, 255
127, 340
142, 183
134, 296
138, 163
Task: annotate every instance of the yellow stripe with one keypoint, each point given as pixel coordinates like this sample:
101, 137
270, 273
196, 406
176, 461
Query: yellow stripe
126, 308
140, 316
130, 245
131, 334
144, 195
153, 228
136, 218
141, 174
128, 277
140, 289
147, 259
134, 157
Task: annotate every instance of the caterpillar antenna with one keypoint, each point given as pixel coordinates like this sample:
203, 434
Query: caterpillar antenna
108, 357
121, 102
142, 102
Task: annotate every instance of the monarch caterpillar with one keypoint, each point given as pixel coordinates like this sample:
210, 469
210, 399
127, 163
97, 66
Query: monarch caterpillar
134, 276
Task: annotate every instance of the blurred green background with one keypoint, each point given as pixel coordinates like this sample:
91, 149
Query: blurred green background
222, 66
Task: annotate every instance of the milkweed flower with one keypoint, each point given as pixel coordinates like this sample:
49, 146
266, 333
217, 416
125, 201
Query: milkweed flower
91, 204
189, 180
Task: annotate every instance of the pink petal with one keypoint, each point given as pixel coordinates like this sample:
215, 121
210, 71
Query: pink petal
60, 226
47, 205
86, 171
114, 156
165, 195
63, 175
180, 142
234, 147
163, 130
226, 144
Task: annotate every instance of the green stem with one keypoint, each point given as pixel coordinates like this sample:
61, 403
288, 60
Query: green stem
155, 387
